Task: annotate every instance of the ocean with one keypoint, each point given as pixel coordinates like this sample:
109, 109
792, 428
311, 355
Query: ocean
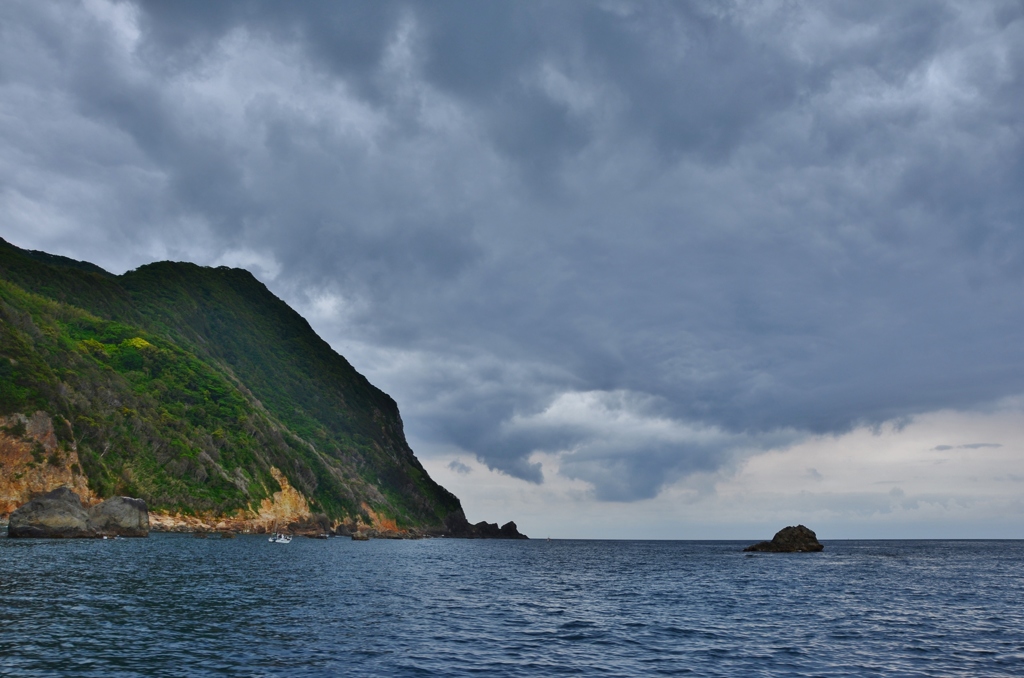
174, 605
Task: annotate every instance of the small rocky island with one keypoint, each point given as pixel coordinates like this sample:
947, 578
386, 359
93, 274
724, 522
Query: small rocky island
60, 514
790, 539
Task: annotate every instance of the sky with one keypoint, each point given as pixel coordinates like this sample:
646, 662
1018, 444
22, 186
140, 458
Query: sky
630, 269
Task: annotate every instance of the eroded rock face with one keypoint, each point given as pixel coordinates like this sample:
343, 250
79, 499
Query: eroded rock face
120, 516
284, 508
32, 460
798, 539
59, 514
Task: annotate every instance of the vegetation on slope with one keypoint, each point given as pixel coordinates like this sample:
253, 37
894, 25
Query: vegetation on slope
183, 385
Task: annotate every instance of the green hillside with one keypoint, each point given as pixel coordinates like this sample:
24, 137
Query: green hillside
183, 385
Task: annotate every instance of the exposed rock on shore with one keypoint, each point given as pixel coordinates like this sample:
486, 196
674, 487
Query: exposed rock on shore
55, 514
790, 539
120, 516
60, 514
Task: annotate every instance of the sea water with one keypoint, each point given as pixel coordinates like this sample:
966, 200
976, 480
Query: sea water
174, 605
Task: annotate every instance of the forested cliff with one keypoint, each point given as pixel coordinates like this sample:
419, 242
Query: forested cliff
199, 391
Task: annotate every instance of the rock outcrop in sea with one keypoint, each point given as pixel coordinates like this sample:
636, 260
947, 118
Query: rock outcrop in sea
790, 539
60, 514
457, 526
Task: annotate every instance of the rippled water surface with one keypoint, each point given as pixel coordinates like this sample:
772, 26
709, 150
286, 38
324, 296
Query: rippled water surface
173, 605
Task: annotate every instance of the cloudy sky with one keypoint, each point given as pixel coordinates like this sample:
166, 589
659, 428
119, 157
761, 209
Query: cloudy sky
680, 270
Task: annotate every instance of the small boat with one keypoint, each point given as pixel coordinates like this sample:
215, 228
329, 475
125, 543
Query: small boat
280, 538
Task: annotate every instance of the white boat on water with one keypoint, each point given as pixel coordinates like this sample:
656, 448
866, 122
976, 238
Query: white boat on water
280, 538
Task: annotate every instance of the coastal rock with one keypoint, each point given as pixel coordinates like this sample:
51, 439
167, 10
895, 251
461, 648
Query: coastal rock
55, 514
456, 525
790, 539
315, 524
510, 531
120, 516
486, 530
344, 530
59, 514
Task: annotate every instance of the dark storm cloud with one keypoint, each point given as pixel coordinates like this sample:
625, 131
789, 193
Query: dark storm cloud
644, 238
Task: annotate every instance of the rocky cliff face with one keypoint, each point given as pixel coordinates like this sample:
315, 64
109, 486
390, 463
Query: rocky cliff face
283, 508
286, 510
34, 461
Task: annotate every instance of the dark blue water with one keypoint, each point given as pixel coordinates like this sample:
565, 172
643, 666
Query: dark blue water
173, 605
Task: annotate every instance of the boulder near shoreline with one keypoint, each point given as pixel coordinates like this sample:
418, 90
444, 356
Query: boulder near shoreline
60, 514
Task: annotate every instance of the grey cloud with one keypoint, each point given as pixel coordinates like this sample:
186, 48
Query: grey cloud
350, 40
864, 504
459, 467
638, 472
759, 222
